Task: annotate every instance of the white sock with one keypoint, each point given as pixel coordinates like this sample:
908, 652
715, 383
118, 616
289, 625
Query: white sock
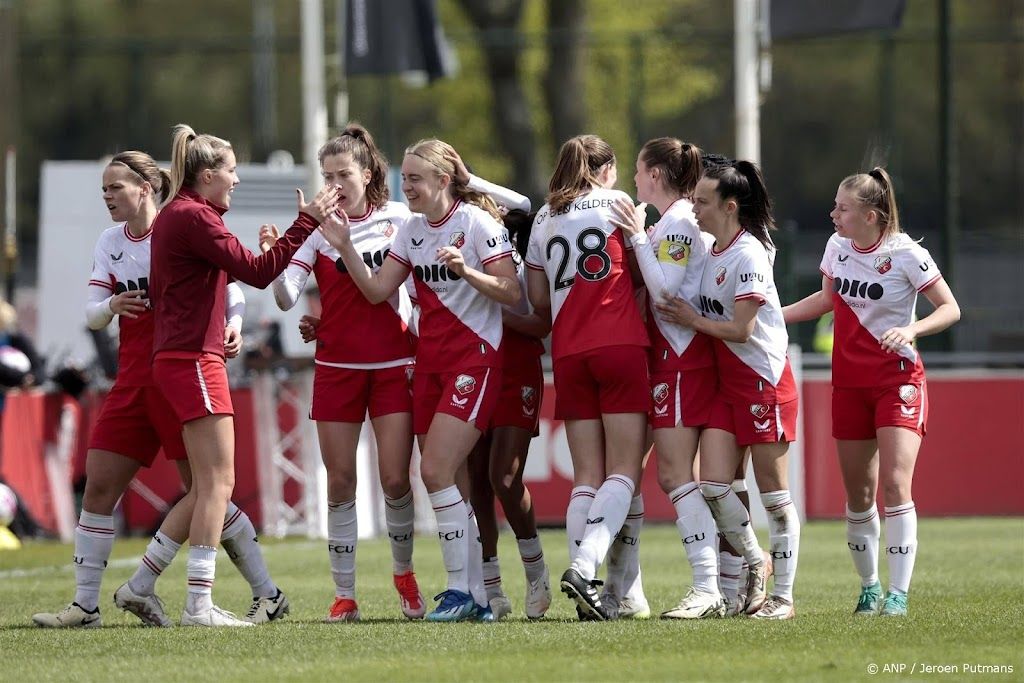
202, 565
243, 547
532, 555
342, 533
784, 540
627, 548
580, 500
729, 572
697, 531
400, 516
452, 527
476, 558
901, 544
732, 520
492, 578
862, 532
606, 516
94, 539
159, 554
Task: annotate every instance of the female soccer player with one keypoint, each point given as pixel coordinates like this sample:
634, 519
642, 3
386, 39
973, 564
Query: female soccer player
193, 253
460, 259
683, 377
599, 348
756, 404
872, 273
136, 420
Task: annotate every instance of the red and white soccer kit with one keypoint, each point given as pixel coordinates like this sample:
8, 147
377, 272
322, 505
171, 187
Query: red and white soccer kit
458, 365
598, 341
874, 290
757, 397
671, 257
363, 351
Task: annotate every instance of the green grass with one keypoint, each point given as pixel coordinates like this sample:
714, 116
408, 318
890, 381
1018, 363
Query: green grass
966, 606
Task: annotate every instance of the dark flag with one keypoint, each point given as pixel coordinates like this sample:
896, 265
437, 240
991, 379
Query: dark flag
802, 18
393, 36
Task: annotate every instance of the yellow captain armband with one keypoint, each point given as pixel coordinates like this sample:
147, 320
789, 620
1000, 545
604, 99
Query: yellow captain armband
674, 252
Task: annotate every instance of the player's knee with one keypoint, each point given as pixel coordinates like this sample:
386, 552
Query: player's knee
506, 485
394, 485
895, 493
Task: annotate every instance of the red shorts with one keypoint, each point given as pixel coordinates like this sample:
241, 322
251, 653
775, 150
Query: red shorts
522, 388
682, 397
347, 394
858, 412
470, 395
754, 423
612, 379
194, 387
135, 422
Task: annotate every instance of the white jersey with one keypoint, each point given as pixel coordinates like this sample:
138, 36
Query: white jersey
458, 326
874, 290
743, 270
583, 254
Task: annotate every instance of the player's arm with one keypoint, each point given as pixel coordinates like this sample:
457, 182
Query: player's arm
234, 313
376, 287
538, 288
536, 324
501, 195
946, 314
497, 281
289, 285
736, 330
810, 307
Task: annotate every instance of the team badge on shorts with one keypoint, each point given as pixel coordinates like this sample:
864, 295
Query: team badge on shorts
660, 393
758, 410
457, 240
883, 264
465, 384
909, 394
720, 274
529, 396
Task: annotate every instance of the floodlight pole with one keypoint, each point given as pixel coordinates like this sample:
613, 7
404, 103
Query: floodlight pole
314, 99
10, 221
746, 50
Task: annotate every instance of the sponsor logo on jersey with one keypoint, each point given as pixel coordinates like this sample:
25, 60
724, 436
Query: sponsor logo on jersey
457, 239
759, 409
660, 393
749, 277
116, 258
858, 289
708, 305
720, 273
908, 394
842, 259
387, 228
925, 266
883, 264
417, 243
435, 272
495, 241
375, 259
465, 384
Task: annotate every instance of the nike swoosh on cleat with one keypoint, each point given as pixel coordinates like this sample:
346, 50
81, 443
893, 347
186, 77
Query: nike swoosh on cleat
273, 615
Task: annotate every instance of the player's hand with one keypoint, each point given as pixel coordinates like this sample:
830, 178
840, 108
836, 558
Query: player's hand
896, 338
129, 304
308, 325
677, 311
269, 235
461, 172
322, 205
628, 218
336, 229
452, 257
232, 341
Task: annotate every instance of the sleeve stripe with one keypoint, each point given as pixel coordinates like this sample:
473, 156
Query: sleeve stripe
826, 274
533, 267
752, 295
498, 257
101, 283
930, 283
392, 254
302, 264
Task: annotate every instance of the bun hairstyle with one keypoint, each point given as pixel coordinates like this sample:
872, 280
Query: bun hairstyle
680, 163
576, 172
874, 190
142, 165
192, 153
519, 225
358, 142
711, 160
438, 154
742, 181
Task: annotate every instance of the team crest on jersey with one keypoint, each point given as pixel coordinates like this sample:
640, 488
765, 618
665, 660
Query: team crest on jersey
883, 264
465, 384
908, 394
660, 393
720, 274
387, 228
758, 410
457, 239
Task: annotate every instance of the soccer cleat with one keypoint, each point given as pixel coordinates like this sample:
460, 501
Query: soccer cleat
870, 600
485, 614
499, 606
538, 597
630, 608
72, 616
775, 608
409, 595
697, 605
757, 585
894, 605
585, 594
266, 610
343, 609
735, 606
214, 617
453, 605
148, 608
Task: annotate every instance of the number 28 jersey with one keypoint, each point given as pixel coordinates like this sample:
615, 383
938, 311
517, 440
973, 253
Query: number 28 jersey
582, 253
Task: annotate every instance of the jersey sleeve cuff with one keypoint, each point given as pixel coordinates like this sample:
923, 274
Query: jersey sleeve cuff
103, 284
753, 295
302, 264
392, 254
929, 283
497, 257
822, 271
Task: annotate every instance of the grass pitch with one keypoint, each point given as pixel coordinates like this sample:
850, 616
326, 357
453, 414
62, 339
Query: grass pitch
966, 610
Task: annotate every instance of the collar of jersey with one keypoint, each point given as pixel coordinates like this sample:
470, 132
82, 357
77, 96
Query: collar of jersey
448, 215
133, 238
359, 219
194, 196
715, 252
869, 249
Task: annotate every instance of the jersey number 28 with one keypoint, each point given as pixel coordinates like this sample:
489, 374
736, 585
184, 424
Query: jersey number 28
593, 262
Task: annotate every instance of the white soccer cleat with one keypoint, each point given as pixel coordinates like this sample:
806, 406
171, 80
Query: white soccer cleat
757, 585
148, 608
775, 608
266, 610
538, 597
631, 607
697, 605
213, 617
500, 606
72, 616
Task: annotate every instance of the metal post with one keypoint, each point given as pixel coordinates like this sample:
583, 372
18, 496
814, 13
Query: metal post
314, 105
948, 195
10, 220
748, 122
